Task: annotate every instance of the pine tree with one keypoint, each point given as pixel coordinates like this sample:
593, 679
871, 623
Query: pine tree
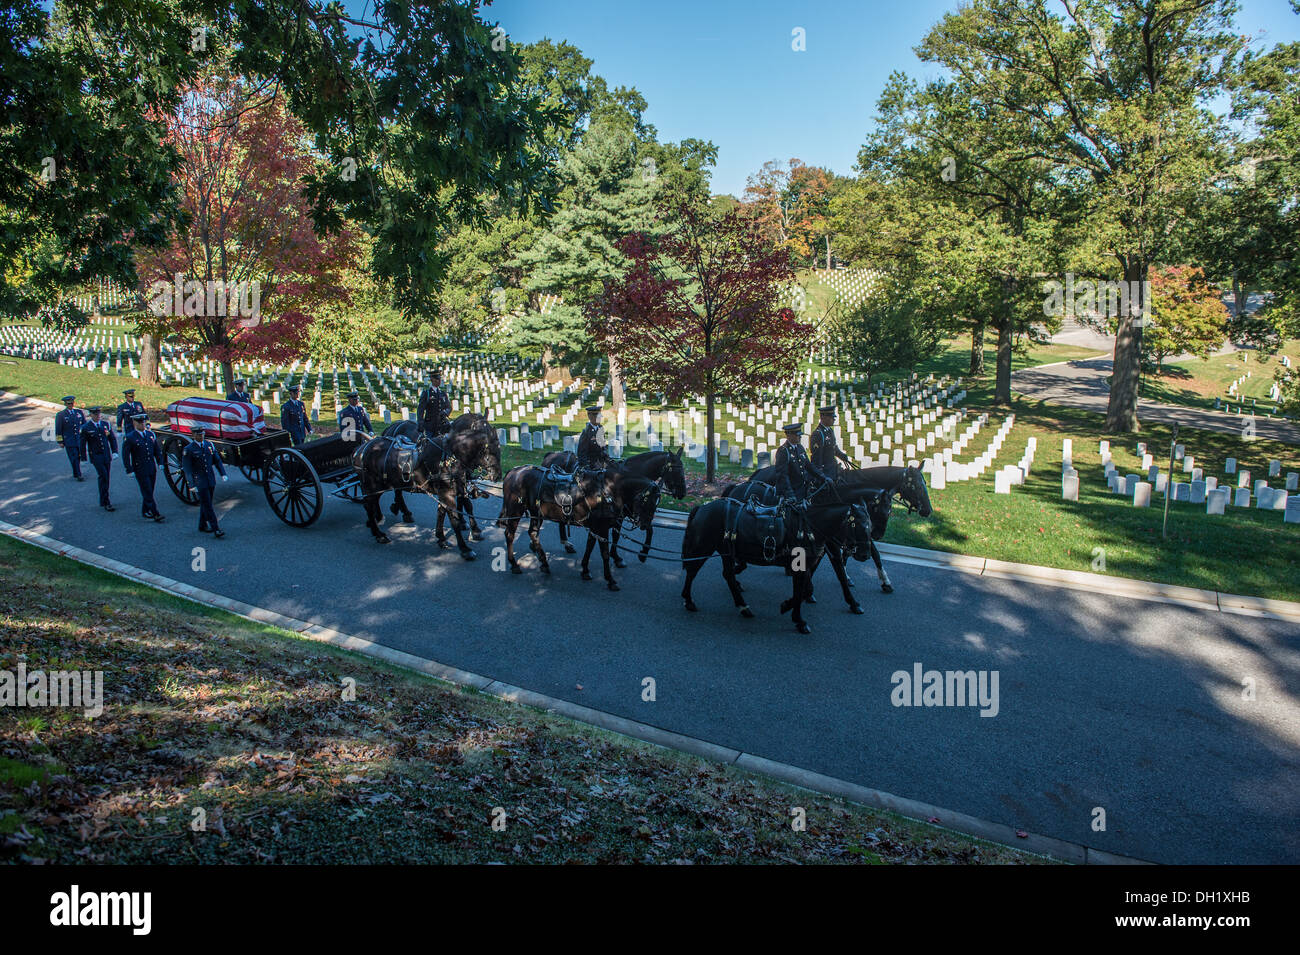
607, 194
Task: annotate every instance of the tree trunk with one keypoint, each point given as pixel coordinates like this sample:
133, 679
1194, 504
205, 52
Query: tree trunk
228, 376
710, 464
1238, 298
149, 348
552, 372
977, 349
1121, 409
617, 394
1006, 321
828, 252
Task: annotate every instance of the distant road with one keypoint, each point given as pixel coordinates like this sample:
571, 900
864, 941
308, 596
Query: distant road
1083, 384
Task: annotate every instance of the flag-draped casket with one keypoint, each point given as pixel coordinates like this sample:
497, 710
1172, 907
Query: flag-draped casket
231, 420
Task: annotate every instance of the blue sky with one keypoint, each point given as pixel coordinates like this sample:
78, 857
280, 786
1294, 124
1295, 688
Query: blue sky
724, 69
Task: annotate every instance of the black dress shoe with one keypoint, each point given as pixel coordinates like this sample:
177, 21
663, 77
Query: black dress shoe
109, 507
159, 518
219, 532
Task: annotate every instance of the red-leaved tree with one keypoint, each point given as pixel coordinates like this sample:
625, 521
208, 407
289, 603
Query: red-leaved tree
696, 310
252, 270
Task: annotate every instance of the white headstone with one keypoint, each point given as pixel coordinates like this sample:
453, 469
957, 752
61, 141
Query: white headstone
1230, 466
1292, 477
1131, 482
1292, 515
1243, 479
1002, 483
1274, 467
1070, 486
1242, 497
1198, 492
1216, 501
1142, 494
1182, 492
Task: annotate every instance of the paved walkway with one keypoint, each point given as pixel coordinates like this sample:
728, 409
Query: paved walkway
1104, 701
1083, 384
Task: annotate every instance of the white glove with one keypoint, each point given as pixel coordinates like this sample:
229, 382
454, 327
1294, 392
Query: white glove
114, 455
224, 478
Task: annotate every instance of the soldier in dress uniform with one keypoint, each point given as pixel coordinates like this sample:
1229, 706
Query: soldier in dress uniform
355, 414
823, 451
592, 448
200, 462
141, 456
99, 445
127, 411
67, 431
435, 408
239, 394
794, 472
294, 417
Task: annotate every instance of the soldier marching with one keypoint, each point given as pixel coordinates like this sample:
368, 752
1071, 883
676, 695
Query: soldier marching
294, 417
142, 456
99, 446
127, 411
67, 432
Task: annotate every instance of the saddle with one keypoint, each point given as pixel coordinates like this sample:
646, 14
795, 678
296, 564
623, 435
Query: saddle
754, 531
559, 488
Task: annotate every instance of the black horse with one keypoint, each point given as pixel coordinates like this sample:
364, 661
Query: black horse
596, 500
664, 467
438, 468
466, 490
791, 536
876, 488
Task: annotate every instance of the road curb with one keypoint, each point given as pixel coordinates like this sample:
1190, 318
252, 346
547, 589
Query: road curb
1058, 849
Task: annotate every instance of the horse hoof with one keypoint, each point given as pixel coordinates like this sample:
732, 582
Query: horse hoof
886, 588
445, 545
856, 608
690, 605
392, 509
586, 575
620, 564
803, 627
516, 569
408, 517
641, 557
746, 613
613, 586
569, 548
468, 555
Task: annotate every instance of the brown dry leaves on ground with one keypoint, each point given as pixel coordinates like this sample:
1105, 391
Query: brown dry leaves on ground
209, 718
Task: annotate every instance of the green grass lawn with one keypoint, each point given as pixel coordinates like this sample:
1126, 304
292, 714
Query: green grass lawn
1196, 382
208, 711
1246, 551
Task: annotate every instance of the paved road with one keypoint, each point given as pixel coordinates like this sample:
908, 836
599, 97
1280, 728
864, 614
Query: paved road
1082, 384
1128, 705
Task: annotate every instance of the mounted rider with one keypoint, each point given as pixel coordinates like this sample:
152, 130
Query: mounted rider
823, 450
593, 449
795, 473
434, 413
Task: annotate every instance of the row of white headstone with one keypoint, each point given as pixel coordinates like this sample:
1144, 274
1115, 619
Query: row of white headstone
1201, 489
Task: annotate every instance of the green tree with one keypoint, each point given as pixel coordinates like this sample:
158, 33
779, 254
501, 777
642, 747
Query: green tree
607, 195
1110, 93
1186, 315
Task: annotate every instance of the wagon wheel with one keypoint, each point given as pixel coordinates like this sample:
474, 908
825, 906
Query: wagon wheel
254, 472
293, 488
173, 450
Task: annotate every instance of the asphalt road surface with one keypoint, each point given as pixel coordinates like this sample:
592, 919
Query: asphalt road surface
1083, 384
1131, 706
